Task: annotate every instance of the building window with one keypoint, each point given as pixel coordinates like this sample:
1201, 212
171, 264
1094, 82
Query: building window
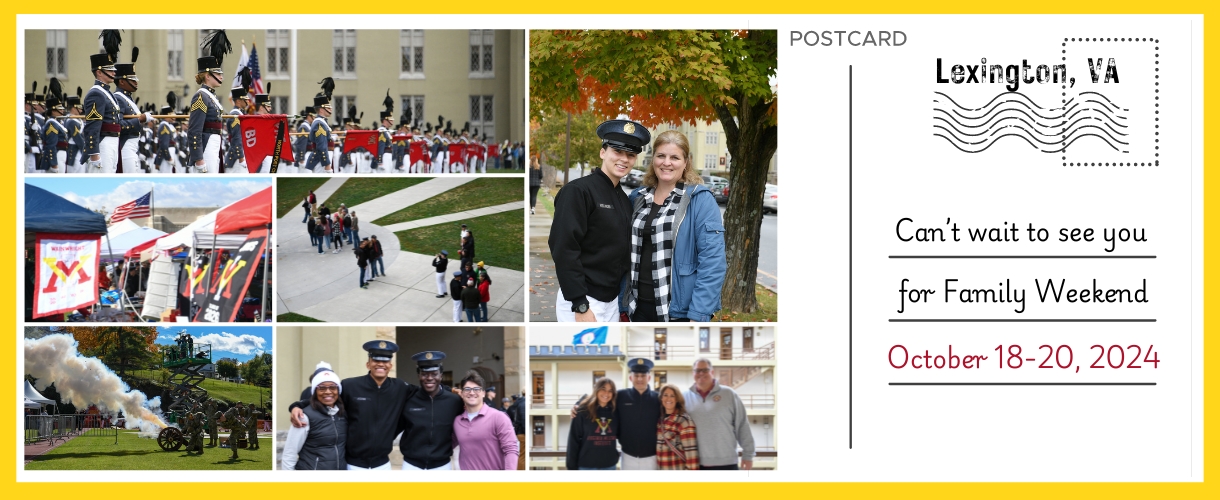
482, 116
57, 53
705, 343
339, 104
415, 103
344, 44
747, 339
709, 162
203, 35
278, 42
482, 53
660, 377
539, 393
660, 343
598, 374
279, 105
173, 47
713, 137
411, 52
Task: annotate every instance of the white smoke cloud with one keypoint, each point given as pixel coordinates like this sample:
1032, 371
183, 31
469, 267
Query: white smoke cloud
83, 381
171, 194
238, 344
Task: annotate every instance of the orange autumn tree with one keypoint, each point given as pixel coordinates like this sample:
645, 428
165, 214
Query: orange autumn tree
120, 347
676, 76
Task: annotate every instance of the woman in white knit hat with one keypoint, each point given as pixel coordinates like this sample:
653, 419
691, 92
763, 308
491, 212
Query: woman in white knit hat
321, 443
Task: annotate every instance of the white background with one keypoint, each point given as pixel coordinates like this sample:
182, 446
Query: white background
901, 170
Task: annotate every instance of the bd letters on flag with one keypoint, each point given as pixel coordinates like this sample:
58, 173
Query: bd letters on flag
222, 301
262, 136
66, 272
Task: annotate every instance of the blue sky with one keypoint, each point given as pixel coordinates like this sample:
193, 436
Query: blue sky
111, 191
238, 342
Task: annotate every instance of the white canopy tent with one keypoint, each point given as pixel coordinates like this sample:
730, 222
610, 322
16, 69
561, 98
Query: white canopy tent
124, 236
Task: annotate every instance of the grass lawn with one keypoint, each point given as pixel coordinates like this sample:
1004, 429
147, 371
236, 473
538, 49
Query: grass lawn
219, 389
499, 239
291, 191
358, 190
548, 201
479, 193
505, 171
136, 453
296, 318
768, 303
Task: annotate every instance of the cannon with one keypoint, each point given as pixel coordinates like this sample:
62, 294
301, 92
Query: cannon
171, 439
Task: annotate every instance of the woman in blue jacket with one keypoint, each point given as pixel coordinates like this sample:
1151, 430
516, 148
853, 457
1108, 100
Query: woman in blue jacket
677, 241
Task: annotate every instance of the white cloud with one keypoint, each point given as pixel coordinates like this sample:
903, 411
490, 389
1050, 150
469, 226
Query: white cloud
227, 342
171, 194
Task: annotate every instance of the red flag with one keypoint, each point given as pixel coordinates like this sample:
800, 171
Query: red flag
366, 139
262, 135
493, 151
472, 151
457, 153
418, 153
400, 137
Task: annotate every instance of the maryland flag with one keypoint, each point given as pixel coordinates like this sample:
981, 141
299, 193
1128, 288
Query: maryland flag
366, 139
263, 136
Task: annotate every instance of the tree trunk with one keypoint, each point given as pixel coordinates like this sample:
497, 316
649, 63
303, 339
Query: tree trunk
752, 142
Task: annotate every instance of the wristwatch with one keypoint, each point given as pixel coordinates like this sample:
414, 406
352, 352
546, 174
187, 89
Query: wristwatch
580, 308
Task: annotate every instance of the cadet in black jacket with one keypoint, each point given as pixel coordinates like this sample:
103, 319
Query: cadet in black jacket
590, 235
427, 442
374, 404
441, 263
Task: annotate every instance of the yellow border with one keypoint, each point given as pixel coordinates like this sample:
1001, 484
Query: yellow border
555, 490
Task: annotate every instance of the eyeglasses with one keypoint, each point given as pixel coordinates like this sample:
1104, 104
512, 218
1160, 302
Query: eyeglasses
703, 370
472, 390
328, 388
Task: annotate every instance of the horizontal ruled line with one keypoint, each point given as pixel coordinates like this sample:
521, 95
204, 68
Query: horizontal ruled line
1022, 320
1026, 383
1022, 256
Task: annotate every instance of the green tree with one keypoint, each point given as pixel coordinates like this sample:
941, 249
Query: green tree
226, 369
257, 371
673, 76
551, 140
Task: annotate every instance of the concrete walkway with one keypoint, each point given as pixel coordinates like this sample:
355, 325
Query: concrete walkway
542, 283
327, 189
460, 216
326, 286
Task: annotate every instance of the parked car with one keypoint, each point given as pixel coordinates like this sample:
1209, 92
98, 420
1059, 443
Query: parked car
721, 195
633, 179
771, 199
715, 183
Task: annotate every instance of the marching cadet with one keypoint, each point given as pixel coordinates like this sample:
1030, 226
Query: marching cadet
345, 158
439, 148
33, 133
127, 83
319, 131
101, 109
166, 151
55, 134
301, 143
399, 138
182, 139
262, 106
204, 126
383, 159
40, 120
427, 442
74, 129
235, 155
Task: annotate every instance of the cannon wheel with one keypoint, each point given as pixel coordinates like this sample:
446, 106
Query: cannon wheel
170, 439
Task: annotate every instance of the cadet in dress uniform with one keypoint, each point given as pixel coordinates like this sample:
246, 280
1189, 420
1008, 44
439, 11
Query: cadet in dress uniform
374, 404
101, 110
75, 125
33, 133
319, 137
55, 137
204, 126
588, 238
235, 155
427, 442
167, 152
382, 159
39, 121
127, 83
301, 143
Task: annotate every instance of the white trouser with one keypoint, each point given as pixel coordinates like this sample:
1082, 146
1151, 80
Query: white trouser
635, 463
387, 162
131, 157
108, 154
440, 284
407, 466
211, 155
483, 165
606, 312
437, 164
265, 168
61, 162
381, 467
457, 311
30, 163
457, 168
362, 166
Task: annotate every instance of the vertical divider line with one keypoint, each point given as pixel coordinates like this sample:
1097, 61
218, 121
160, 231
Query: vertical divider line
850, 266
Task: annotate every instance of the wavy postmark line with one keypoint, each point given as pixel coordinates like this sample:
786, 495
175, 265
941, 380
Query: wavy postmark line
1058, 129
1013, 114
973, 147
1065, 132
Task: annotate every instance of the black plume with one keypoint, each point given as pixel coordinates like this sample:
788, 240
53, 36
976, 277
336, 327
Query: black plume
351, 112
476, 132
57, 89
79, 93
466, 127
137, 101
440, 120
217, 45
172, 100
246, 78
111, 40
44, 90
268, 88
449, 125
135, 54
388, 102
328, 86
361, 117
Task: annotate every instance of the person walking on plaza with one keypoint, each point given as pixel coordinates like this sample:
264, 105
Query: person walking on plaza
455, 293
362, 260
484, 298
306, 206
324, 221
470, 301
535, 182
441, 264
375, 260
311, 226
355, 227
336, 231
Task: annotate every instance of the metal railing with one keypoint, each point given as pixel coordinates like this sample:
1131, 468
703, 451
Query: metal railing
763, 352
54, 428
752, 401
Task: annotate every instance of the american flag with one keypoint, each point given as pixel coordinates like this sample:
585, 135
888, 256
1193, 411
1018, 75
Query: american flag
138, 208
257, 86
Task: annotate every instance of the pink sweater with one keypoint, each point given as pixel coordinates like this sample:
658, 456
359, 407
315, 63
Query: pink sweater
486, 443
